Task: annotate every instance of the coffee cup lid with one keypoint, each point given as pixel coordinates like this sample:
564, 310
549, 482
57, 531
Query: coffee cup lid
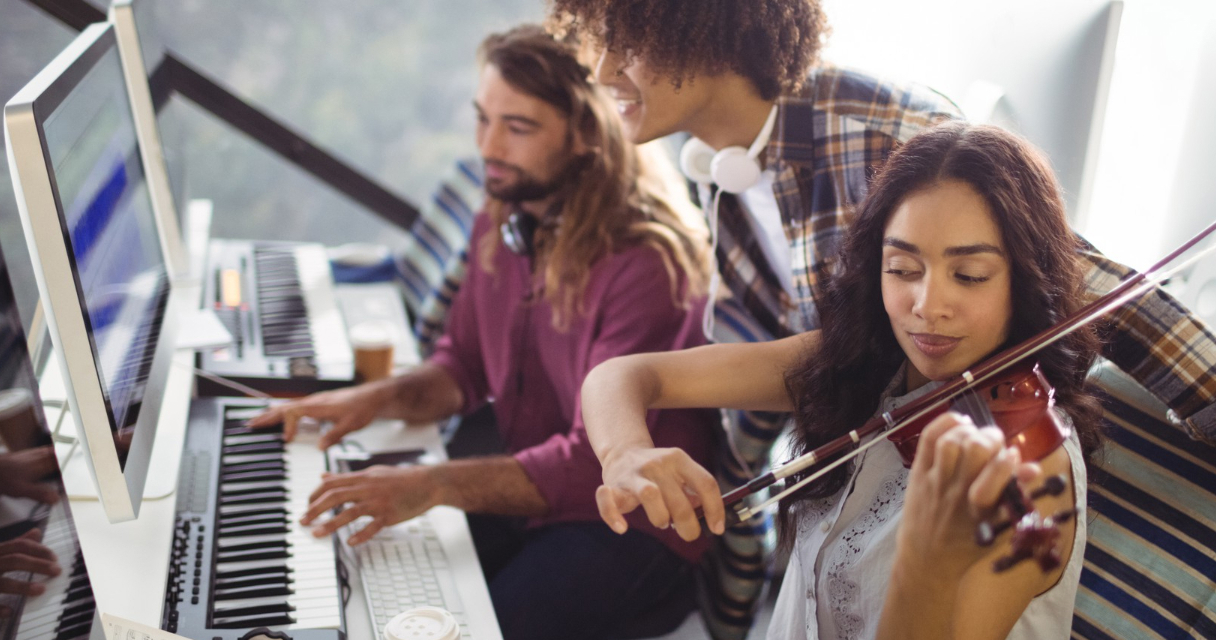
14, 401
422, 623
371, 334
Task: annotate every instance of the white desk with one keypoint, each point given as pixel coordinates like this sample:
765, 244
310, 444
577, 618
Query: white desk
128, 561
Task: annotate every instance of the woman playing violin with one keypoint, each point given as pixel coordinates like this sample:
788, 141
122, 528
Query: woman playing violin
961, 249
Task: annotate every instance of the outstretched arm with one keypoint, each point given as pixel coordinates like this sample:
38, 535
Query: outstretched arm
666, 482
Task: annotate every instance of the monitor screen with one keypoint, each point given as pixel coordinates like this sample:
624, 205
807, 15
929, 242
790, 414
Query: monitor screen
45, 591
120, 271
101, 272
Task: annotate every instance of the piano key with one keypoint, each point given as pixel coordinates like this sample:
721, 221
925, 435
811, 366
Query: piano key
234, 612
246, 449
245, 556
262, 498
248, 544
252, 592
247, 514
253, 520
234, 489
253, 467
253, 532
244, 623
240, 573
267, 580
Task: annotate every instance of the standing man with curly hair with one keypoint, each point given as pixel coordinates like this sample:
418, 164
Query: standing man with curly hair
783, 150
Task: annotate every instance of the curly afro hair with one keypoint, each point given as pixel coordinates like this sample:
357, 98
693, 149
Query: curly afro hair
770, 42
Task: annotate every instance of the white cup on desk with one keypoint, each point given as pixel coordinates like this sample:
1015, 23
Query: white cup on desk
422, 623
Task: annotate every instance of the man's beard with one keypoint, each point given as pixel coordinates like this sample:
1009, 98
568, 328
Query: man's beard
528, 189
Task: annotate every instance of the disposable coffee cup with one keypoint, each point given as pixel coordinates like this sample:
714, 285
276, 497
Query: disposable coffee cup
19, 428
372, 343
422, 623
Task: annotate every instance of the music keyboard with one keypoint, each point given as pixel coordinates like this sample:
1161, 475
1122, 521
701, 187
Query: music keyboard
277, 300
66, 609
239, 559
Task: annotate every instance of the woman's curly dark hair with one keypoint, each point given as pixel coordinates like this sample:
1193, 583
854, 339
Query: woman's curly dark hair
770, 42
837, 388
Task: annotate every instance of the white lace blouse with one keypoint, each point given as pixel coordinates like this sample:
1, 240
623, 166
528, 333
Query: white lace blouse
837, 577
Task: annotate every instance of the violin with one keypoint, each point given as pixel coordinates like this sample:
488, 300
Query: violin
1007, 390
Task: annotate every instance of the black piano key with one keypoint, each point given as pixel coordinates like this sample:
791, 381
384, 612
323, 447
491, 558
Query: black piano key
232, 492
273, 580
282, 530
257, 498
252, 546
237, 427
235, 516
237, 612
257, 476
78, 590
257, 571
255, 592
258, 517
86, 606
257, 447
243, 623
79, 630
253, 467
248, 556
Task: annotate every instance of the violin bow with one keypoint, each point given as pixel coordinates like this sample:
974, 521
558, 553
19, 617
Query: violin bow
1130, 288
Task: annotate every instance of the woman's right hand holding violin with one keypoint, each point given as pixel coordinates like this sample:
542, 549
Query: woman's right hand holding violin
666, 483
943, 583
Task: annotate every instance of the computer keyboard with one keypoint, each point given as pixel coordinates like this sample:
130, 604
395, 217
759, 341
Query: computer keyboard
403, 567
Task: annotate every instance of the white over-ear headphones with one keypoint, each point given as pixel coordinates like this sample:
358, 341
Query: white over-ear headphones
733, 169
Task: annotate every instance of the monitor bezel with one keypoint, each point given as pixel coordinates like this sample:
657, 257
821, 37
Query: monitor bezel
119, 489
147, 130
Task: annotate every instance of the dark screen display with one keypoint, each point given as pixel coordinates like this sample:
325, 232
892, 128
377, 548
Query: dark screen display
50, 596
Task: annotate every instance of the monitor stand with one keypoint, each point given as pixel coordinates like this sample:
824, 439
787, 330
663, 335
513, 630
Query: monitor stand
166, 448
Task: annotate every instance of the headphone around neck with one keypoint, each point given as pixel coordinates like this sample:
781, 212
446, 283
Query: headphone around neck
733, 169
519, 231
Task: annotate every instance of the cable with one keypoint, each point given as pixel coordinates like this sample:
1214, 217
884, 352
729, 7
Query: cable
225, 382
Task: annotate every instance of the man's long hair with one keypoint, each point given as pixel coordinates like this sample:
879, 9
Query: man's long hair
837, 388
618, 194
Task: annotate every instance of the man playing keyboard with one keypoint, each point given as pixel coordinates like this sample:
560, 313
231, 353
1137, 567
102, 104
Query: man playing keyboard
585, 250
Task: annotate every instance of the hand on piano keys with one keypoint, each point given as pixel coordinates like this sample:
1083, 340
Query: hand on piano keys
26, 556
387, 494
23, 474
63, 606
348, 409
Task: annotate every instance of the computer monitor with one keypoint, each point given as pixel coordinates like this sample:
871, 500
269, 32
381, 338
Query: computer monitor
33, 505
88, 220
130, 51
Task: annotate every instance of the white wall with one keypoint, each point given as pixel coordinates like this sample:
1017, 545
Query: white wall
946, 43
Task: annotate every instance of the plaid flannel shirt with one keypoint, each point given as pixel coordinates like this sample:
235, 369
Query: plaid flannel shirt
827, 145
828, 142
